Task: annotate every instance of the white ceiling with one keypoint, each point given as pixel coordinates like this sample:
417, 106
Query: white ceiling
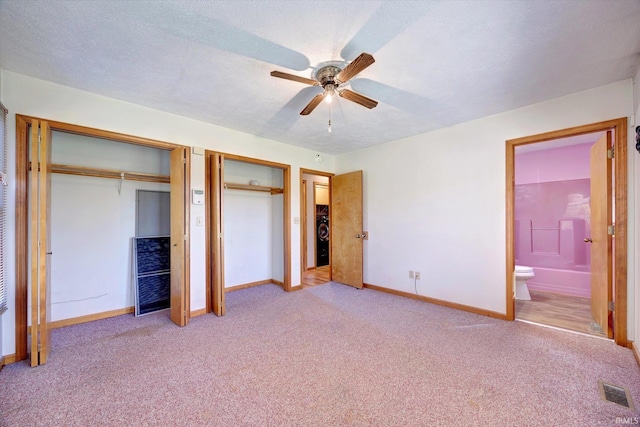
438, 63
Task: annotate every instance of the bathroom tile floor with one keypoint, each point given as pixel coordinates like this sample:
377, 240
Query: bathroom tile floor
562, 311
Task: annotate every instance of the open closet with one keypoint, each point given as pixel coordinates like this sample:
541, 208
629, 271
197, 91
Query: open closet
248, 225
81, 189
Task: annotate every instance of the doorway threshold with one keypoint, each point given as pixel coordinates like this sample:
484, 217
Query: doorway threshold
563, 330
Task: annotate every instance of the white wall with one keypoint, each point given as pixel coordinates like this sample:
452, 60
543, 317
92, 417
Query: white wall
435, 202
38, 98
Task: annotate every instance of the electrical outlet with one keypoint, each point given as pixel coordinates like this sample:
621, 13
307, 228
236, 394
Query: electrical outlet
410, 274
417, 275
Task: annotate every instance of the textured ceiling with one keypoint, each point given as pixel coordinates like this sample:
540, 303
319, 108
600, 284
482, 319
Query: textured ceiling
437, 63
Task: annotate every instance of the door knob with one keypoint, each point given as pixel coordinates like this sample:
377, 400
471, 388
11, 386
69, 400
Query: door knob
588, 240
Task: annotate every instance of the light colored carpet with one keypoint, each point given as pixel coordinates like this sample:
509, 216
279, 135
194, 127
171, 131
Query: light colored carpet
324, 356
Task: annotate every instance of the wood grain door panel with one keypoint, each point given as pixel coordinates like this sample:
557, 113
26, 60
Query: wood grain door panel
346, 229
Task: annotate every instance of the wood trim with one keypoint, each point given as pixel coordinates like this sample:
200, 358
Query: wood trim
197, 313
620, 164
22, 237
104, 134
286, 199
444, 303
247, 187
636, 351
8, 360
303, 227
216, 221
208, 183
108, 173
248, 285
296, 288
619, 126
254, 161
563, 133
510, 237
277, 282
90, 317
187, 230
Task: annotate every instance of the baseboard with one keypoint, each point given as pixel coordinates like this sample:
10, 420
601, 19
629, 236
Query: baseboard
196, 313
91, 317
88, 318
7, 360
249, 285
636, 351
277, 282
449, 304
296, 288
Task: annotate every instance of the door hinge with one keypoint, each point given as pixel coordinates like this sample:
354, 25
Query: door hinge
220, 236
185, 237
611, 230
612, 306
611, 152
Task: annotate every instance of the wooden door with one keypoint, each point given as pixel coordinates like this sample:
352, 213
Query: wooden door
216, 166
179, 295
346, 229
40, 230
601, 241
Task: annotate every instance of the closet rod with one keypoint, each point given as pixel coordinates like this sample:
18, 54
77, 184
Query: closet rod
272, 190
108, 173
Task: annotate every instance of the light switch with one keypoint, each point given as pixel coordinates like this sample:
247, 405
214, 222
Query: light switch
199, 221
296, 220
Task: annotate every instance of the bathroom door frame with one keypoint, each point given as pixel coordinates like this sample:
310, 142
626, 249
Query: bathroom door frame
620, 285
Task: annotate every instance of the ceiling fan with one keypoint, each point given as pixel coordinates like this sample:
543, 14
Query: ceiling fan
330, 77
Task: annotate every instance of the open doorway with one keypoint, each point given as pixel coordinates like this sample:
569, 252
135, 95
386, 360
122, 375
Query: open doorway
315, 225
566, 229
556, 191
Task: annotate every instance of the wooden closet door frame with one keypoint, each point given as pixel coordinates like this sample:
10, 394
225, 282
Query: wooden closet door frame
214, 206
22, 206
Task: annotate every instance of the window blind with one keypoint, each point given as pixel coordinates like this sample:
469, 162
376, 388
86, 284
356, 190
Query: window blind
4, 152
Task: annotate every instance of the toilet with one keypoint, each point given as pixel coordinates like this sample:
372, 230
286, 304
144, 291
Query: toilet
523, 274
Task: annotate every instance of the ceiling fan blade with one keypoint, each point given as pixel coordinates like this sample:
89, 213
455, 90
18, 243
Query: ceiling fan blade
312, 105
357, 98
356, 66
293, 77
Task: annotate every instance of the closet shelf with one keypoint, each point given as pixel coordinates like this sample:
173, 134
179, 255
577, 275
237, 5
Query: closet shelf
108, 173
233, 186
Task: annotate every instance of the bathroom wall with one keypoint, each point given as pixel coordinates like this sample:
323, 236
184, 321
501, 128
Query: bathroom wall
552, 212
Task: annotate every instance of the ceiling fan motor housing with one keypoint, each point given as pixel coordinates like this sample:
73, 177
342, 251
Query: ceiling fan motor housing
327, 75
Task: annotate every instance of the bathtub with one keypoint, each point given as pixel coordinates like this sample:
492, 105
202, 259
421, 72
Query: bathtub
566, 282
